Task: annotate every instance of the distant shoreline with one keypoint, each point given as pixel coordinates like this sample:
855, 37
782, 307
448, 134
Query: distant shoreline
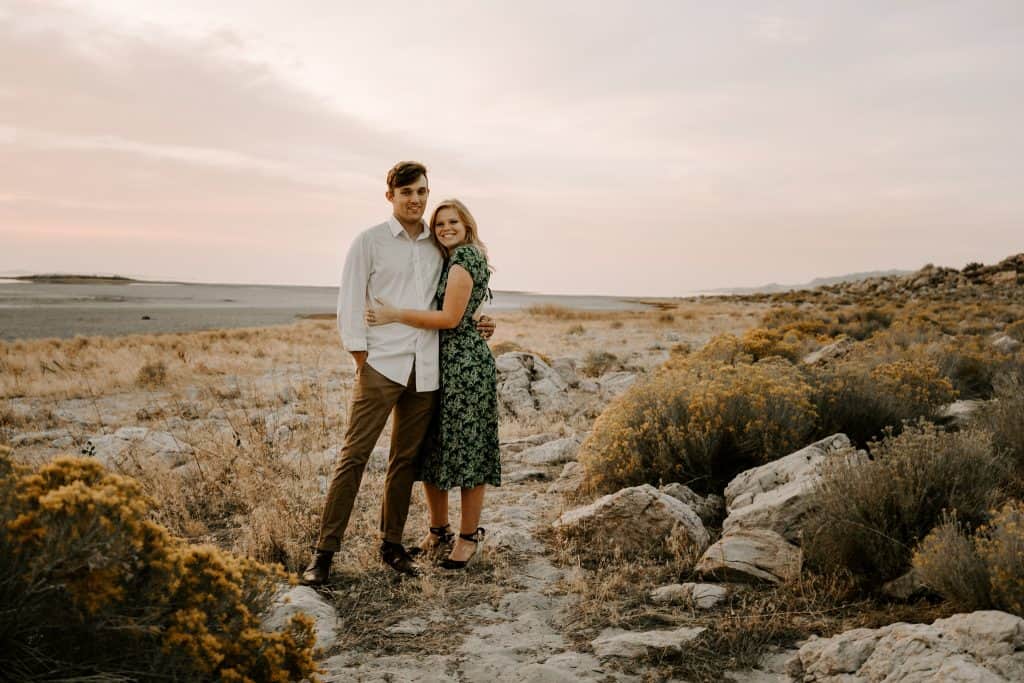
72, 279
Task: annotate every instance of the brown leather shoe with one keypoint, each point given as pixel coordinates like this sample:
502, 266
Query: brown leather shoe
318, 570
397, 557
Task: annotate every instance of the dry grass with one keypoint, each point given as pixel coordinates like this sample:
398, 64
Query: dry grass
263, 411
751, 622
99, 366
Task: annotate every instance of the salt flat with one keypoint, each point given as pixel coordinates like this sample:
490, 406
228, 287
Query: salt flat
39, 309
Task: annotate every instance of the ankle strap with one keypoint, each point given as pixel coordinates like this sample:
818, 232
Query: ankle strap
476, 536
440, 530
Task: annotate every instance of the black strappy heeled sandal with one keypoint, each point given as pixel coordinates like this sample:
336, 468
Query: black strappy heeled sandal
476, 537
444, 539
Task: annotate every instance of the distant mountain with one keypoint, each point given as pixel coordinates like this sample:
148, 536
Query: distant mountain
774, 287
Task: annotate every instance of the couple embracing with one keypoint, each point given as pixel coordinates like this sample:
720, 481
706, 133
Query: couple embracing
406, 308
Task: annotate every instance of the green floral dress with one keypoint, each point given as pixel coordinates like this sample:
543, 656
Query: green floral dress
462, 450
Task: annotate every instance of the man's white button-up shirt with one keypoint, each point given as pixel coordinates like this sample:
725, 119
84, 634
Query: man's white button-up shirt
385, 263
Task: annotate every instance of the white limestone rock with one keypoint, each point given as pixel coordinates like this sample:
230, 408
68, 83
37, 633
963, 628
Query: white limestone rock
778, 496
570, 480
557, 452
566, 368
527, 386
829, 352
636, 519
710, 508
613, 642
614, 384
699, 595
958, 413
751, 555
522, 443
520, 476
305, 600
116, 450
985, 646
1004, 343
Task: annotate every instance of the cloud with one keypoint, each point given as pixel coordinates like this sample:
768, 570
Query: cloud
649, 148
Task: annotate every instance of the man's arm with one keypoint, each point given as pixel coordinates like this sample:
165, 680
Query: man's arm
355, 277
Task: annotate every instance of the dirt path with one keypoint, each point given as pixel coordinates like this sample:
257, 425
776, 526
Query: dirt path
517, 639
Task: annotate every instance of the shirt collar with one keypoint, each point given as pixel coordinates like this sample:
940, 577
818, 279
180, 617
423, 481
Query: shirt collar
397, 229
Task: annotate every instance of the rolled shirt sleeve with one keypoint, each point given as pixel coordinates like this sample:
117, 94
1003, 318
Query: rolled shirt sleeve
352, 295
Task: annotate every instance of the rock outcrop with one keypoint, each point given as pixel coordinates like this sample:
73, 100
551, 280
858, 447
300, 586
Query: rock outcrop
767, 506
751, 555
710, 508
527, 386
614, 384
778, 496
637, 519
699, 595
117, 449
979, 646
830, 352
615, 642
304, 600
975, 280
570, 480
555, 452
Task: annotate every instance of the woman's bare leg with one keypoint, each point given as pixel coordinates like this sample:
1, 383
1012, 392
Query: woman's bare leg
472, 506
437, 505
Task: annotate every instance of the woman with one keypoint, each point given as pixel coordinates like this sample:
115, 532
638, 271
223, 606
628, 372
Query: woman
463, 450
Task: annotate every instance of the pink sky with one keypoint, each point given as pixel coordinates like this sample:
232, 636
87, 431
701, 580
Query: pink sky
629, 147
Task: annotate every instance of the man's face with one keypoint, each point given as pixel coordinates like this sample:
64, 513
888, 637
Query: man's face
410, 201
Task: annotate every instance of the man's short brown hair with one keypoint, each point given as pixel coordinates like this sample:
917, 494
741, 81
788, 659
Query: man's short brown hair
405, 173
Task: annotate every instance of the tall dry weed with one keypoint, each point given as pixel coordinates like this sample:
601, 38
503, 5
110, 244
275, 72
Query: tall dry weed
979, 570
867, 518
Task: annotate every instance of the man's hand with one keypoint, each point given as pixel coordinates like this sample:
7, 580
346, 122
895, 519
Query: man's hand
485, 326
359, 357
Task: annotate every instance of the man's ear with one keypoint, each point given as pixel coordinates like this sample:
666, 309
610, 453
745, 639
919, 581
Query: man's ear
389, 194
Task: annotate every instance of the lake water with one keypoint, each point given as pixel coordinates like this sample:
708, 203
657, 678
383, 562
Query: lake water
35, 309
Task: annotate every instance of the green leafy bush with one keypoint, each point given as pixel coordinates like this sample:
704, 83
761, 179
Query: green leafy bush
91, 589
867, 517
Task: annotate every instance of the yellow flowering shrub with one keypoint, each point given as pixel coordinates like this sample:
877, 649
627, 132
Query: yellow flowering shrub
867, 517
760, 343
92, 587
860, 398
983, 570
700, 422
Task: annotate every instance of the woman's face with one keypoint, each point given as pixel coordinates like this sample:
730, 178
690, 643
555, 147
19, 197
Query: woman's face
449, 229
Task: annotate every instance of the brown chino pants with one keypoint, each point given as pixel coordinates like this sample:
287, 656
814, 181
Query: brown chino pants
374, 397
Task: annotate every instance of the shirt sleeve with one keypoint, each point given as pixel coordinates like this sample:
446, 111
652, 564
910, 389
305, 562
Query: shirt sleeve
355, 277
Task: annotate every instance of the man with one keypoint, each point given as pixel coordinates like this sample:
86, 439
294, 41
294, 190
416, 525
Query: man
396, 367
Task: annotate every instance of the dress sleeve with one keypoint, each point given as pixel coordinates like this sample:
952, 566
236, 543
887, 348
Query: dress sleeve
470, 258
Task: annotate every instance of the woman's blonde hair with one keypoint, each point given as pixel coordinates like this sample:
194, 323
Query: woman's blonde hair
472, 234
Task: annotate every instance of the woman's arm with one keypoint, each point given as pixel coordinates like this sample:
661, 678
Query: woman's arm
456, 298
